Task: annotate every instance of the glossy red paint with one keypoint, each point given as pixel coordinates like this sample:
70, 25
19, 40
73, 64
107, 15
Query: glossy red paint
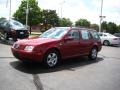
67, 47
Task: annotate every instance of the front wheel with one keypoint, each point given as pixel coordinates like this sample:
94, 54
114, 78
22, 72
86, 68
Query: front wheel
51, 58
93, 53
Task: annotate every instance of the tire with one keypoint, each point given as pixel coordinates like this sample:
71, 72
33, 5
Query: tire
93, 53
51, 58
106, 43
14, 39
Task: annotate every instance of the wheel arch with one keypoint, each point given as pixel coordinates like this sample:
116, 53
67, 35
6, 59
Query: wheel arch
54, 48
47, 52
107, 40
95, 46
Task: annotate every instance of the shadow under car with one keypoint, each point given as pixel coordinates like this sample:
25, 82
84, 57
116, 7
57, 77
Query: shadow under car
68, 64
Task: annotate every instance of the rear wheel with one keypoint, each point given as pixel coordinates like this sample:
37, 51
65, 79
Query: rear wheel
93, 53
106, 43
51, 58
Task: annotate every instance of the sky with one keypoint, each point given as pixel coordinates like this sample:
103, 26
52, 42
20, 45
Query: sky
73, 9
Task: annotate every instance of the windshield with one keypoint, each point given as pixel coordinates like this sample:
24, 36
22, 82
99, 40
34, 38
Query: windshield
16, 23
54, 33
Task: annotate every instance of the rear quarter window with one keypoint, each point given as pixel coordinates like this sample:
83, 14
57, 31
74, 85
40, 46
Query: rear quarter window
95, 35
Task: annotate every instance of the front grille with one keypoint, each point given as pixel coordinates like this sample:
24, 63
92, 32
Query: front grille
22, 34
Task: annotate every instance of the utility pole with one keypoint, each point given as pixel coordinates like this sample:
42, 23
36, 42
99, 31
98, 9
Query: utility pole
101, 16
10, 11
9, 8
27, 11
62, 7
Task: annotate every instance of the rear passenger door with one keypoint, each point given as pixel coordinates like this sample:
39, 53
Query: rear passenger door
85, 42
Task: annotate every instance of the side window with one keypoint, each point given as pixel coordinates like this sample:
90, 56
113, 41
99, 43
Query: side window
95, 35
74, 34
85, 35
104, 35
100, 34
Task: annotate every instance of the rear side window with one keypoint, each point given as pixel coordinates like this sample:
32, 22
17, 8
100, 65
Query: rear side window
104, 35
95, 35
100, 34
85, 35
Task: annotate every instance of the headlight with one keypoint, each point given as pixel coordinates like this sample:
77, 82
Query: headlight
29, 48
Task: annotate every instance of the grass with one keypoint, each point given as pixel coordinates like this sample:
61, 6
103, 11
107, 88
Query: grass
35, 34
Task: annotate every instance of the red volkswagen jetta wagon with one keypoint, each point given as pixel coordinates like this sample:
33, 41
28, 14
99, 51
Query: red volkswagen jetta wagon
58, 44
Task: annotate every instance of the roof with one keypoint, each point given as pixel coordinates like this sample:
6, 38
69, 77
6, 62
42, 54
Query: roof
80, 28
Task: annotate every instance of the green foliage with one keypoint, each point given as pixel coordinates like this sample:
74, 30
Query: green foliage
94, 26
104, 26
82, 22
109, 27
64, 22
2, 18
118, 27
112, 28
50, 17
34, 16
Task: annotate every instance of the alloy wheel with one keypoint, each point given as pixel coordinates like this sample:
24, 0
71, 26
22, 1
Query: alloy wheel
52, 59
94, 53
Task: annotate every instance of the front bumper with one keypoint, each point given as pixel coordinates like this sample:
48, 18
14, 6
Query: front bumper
27, 56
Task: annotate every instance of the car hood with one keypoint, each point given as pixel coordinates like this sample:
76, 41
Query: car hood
35, 41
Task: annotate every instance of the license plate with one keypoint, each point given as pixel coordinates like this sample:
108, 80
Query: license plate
21, 32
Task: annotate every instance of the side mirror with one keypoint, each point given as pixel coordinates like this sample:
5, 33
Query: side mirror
69, 38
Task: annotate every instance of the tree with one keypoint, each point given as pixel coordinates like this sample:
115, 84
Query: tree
49, 17
2, 18
94, 26
34, 16
112, 28
118, 27
104, 26
65, 22
82, 22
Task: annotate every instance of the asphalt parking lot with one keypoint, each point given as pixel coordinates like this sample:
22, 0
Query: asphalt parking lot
73, 74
